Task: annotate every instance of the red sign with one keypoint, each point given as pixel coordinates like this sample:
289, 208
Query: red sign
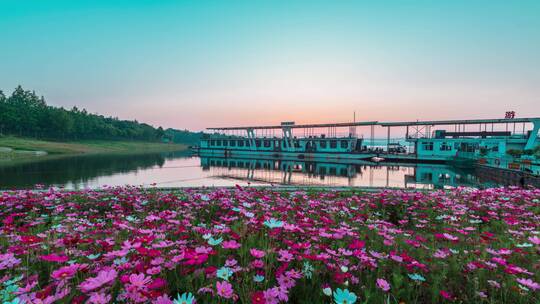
510, 115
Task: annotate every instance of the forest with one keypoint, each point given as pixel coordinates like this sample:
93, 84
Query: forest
26, 114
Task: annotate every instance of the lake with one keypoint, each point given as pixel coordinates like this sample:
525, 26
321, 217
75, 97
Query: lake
181, 169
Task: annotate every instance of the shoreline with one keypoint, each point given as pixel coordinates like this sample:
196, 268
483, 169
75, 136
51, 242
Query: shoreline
20, 150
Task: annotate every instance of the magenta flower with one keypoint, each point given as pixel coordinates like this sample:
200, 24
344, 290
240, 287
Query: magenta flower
446, 294
224, 289
8, 261
65, 273
230, 244
535, 240
529, 283
99, 298
383, 284
256, 253
139, 280
104, 277
164, 299
285, 256
54, 258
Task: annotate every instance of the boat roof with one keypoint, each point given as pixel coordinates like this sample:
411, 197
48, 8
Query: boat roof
384, 124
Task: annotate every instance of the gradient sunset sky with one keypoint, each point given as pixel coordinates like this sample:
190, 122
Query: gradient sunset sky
195, 64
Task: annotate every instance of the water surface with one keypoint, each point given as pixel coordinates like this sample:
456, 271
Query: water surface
184, 170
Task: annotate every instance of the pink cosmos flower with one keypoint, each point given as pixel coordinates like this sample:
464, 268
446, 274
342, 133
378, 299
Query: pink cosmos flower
157, 283
256, 253
54, 258
286, 282
494, 284
104, 277
383, 284
285, 256
271, 295
535, 240
65, 273
99, 298
446, 294
529, 283
153, 270
194, 258
230, 244
8, 261
139, 280
164, 299
357, 244
224, 289
257, 264
441, 253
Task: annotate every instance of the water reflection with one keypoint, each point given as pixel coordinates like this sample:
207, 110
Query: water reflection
184, 170
78, 170
281, 172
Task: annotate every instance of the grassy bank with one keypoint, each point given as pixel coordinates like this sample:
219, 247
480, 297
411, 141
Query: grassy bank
21, 148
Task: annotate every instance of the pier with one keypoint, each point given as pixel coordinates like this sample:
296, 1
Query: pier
470, 141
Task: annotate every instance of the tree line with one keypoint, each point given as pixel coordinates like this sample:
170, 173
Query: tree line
26, 114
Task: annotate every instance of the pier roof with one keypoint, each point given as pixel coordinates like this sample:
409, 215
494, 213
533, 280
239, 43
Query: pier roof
302, 126
385, 124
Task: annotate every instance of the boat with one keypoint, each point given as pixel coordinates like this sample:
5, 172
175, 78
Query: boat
486, 139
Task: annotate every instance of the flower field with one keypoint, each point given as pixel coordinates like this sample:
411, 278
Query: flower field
248, 245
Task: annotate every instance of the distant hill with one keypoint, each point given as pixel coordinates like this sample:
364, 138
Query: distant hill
25, 114
182, 136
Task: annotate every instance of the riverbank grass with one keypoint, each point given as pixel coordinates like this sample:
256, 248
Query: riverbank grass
17, 147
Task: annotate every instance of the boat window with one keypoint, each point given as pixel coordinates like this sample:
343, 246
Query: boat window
426, 176
323, 144
232, 143
468, 147
427, 146
248, 143
258, 143
446, 146
212, 142
333, 144
218, 142
267, 144
344, 144
240, 143
224, 142
296, 144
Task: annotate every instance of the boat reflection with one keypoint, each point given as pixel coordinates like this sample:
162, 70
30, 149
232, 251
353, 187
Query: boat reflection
300, 173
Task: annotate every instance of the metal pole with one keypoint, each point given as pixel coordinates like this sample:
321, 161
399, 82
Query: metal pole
372, 136
388, 140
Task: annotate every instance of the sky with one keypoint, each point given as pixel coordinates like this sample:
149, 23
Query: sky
197, 64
